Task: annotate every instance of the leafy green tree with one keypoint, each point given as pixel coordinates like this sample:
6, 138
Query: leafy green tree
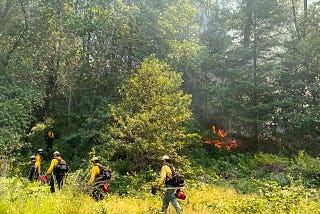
20, 87
214, 41
179, 26
148, 121
99, 53
147, 38
299, 95
244, 77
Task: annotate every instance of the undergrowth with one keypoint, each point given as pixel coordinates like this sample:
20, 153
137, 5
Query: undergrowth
229, 183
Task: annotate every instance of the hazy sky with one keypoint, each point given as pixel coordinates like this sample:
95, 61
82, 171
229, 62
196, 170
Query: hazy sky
311, 1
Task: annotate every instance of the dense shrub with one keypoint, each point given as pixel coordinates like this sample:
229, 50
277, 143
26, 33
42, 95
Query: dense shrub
306, 168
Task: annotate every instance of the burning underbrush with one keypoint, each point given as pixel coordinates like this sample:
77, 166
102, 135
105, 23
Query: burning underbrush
221, 140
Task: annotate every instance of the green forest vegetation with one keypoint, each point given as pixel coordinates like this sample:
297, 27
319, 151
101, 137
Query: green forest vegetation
229, 89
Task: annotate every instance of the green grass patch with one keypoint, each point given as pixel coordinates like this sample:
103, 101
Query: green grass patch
21, 196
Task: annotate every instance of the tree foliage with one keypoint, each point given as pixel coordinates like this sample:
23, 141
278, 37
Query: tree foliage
150, 115
252, 67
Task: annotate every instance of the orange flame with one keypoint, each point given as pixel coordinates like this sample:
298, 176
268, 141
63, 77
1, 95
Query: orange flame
208, 142
231, 143
213, 129
218, 142
221, 133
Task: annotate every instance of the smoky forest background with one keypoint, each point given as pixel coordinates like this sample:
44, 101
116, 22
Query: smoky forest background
132, 80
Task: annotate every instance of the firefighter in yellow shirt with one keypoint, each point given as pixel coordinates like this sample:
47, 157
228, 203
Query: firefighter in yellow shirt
56, 175
49, 137
95, 172
38, 161
169, 194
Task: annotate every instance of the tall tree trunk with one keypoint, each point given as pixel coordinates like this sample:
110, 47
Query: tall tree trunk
254, 72
69, 104
249, 29
54, 63
248, 24
294, 14
305, 16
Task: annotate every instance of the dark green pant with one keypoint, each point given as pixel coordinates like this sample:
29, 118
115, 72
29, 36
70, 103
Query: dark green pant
59, 180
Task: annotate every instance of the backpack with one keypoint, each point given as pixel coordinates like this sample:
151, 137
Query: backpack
105, 173
61, 168
32, 172
177, 179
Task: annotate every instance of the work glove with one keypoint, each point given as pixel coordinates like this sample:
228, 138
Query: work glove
153, 190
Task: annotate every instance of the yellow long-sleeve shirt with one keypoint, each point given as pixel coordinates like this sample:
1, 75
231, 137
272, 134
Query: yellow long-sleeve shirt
165, 173
38, 163
53, 163
50, 134
94, 172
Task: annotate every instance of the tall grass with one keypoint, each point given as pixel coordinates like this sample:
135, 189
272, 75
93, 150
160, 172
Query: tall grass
20, 196
234, 183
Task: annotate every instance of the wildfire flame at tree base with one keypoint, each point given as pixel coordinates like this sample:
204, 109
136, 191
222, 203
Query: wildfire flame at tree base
221, 141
